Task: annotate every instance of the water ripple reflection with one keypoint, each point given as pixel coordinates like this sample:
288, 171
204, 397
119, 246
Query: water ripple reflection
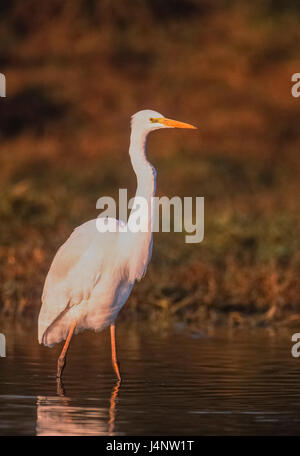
173, 383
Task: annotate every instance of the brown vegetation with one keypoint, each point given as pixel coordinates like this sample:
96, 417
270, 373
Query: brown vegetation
75, 73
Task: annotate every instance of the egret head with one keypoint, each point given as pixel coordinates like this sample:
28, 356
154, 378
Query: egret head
148, 120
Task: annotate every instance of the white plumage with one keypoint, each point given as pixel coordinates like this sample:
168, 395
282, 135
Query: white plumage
87, 283
93, 272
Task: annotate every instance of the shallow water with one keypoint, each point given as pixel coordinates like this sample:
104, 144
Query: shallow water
174, 383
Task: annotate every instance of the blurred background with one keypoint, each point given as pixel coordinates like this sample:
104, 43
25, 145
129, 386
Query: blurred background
77, 70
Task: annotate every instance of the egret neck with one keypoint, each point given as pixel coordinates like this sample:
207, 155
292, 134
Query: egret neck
146, 186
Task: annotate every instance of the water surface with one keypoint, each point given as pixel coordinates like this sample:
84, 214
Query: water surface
174, 382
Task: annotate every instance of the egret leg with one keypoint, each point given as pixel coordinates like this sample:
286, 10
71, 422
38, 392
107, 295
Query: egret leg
113, 351
62, 358
60, 387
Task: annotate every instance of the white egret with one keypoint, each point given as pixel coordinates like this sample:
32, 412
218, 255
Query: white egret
93, 272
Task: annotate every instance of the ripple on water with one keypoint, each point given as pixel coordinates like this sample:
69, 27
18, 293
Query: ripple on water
173, 383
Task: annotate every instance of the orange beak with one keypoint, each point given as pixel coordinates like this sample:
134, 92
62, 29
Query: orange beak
174, 123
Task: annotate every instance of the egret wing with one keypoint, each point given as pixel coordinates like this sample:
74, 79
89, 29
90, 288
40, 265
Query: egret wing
74, 271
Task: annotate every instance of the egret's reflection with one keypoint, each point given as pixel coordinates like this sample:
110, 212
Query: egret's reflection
59, 415
112, 408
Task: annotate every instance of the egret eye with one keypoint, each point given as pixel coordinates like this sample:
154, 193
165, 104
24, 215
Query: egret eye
153, 120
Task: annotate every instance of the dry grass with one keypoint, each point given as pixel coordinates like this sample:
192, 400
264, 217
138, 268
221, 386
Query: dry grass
77, 70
